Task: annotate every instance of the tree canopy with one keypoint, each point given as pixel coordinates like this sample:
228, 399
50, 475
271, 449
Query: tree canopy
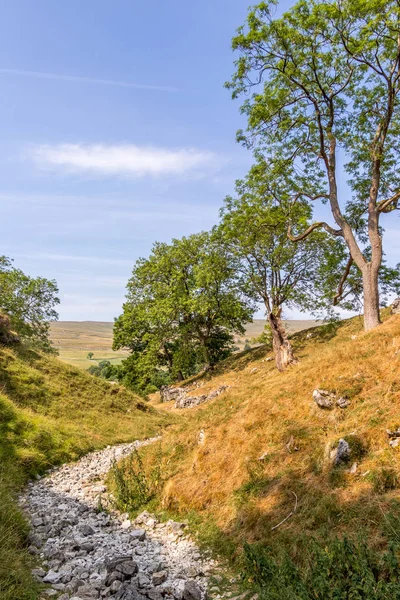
29, 303
182, 305
274, 270
326, 76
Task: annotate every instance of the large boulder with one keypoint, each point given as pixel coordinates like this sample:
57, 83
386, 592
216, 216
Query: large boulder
395, 310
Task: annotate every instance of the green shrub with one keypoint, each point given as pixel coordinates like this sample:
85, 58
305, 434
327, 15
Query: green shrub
133, 486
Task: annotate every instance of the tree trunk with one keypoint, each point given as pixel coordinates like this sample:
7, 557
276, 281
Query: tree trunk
282, 347
371, 297
180, 376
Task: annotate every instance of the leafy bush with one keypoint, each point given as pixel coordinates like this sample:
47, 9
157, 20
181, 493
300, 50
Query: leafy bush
134, 487
341, 570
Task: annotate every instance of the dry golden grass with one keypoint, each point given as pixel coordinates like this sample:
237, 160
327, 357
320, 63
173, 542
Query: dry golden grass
263, 411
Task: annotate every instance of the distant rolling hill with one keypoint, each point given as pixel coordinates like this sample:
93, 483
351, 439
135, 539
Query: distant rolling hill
74, 339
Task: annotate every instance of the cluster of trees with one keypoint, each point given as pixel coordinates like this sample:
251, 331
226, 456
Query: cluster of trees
29, 304
322, 87
183, 305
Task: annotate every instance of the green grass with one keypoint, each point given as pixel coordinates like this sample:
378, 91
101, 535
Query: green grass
51, 413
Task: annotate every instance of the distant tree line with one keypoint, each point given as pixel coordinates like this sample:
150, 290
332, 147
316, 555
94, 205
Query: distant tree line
322, 87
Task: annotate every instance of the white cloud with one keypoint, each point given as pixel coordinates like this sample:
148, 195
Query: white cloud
95, 260
79, 79
127, 159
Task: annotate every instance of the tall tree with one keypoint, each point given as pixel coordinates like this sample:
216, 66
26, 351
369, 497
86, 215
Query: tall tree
182, 305
274, 270
326, 76
29, 303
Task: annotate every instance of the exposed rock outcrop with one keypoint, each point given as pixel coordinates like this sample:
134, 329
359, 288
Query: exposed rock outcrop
395, 309
328, 400
190, 401
168, 393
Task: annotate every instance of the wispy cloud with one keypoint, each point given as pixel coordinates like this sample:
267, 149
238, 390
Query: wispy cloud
92, 260
90, 80
126, 159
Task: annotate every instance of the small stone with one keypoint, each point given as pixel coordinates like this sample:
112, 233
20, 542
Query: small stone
128, 568
263, 456
353, 468
38, 573
191, 572
323, 398
155, 567
116, 576
86, 529
394, 443
138, 534
126, 524
87, 547
143, 580
151, 522
175, 526
342, 453
59, 586
115, 586
154, 594
52, 577
343, 402
159, 577
191, 591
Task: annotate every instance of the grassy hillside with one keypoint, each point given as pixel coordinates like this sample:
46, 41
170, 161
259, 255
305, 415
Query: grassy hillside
241, 498
50, 413
74, 339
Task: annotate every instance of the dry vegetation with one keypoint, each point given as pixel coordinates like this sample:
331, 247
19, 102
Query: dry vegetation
272, 414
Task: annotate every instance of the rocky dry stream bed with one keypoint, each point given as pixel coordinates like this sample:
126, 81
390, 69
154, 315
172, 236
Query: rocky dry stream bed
88, 554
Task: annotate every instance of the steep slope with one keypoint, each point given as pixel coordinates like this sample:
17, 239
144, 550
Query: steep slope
263, 449
50, 413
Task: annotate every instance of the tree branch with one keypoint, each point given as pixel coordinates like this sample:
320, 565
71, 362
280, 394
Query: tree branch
309, 230
338, 296
384, 206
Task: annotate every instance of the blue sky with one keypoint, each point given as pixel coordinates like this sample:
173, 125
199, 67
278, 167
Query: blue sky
116, 132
